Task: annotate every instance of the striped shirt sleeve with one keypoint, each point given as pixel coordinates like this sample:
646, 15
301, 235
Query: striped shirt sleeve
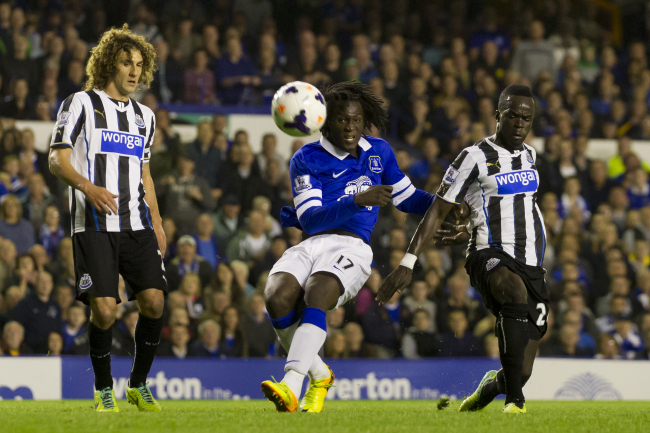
69, 122
306, 188
458, 178
146, 156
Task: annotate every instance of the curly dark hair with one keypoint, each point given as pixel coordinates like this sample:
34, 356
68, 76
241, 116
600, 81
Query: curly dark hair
102, 63
338, 95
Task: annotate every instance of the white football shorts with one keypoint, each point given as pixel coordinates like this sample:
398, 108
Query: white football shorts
344, 256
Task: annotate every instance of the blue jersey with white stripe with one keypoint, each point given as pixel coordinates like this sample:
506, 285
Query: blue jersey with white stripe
325, 179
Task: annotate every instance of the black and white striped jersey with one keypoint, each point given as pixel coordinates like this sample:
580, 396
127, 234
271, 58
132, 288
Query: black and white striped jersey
500, 189
110, 142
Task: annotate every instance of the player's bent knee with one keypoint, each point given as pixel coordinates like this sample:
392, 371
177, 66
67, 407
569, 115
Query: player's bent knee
281, 295
152, 306
103, 314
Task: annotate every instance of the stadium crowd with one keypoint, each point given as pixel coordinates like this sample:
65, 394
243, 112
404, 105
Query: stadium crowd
438, 65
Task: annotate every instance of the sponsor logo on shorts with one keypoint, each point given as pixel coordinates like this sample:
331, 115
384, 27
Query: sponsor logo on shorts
491, 263
85, 282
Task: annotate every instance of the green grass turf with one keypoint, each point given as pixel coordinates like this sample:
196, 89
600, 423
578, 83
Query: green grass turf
338, 417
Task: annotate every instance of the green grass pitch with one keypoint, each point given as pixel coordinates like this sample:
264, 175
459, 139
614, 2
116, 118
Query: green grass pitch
338, 417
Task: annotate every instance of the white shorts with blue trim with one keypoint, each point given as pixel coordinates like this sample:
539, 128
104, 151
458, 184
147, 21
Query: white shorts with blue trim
344, 256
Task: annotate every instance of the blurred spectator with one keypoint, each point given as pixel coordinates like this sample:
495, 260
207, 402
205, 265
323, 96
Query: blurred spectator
73, 327
54, 344
384, 325
167, 84
14, 227
534, 55
418, 300
124, 333
190, 288
236, 75
227, 221
356, 346
250, 244
627, 337
420, 341
233, 340
242, 178
187, 262
184, 196
257, 328
39, 314
206, 156
459, 341
207, 244
51, 233
458, 298
199, 81
13, 344
65, 297
208, 344
268, 153
177, 345
18, 105
241, 272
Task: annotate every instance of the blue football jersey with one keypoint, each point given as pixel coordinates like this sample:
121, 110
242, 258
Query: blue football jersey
325, 179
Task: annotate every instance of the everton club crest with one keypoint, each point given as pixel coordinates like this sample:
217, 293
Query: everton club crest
375, 164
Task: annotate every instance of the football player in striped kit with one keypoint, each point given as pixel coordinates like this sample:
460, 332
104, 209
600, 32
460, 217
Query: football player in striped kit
100, 148
497, 177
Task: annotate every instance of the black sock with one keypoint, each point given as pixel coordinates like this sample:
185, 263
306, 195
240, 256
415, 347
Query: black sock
493, 388
513, 321
147, 337
100, 354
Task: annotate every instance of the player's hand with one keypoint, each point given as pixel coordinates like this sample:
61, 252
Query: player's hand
376, 195
451, 234
161, 237
395, 282
101, 198
460, 212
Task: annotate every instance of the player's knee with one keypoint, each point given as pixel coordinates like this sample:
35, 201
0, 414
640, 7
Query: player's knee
152, 306
103, 314
277, 302
507, 287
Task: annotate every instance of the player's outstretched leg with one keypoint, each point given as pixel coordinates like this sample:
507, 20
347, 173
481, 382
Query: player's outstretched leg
322, 293
147, 338
282, 294
100, 337
509, 290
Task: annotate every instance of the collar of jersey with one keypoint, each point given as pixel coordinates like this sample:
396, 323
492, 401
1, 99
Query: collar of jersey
341, 154
114, 101
493, 144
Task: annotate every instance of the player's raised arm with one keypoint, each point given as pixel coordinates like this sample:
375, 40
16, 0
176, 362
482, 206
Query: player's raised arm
455, 185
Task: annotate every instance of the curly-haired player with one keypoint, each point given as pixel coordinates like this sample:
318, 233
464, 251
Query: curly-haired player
101, 148
339, 184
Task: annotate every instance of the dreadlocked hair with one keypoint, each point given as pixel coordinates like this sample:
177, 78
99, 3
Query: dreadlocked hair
340, 94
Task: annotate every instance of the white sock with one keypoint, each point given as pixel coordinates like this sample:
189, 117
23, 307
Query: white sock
294, 380
318, 370
307, 341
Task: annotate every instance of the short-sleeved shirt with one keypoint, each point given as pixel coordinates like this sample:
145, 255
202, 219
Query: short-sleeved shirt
110, 142
500, 189
322, 174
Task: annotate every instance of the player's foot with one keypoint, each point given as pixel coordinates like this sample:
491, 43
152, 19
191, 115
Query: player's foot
513, 408
315, 397
279, 394
474, 402
141, 396
105, 401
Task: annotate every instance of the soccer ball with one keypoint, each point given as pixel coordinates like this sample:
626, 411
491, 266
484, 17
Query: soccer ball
299, 109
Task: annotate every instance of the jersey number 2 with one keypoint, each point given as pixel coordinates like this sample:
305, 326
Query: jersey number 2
542, 315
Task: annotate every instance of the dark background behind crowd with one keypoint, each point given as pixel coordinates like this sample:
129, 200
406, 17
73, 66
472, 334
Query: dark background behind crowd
439, 66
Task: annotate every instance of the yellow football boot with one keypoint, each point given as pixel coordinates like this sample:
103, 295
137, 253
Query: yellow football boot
513, 408
473, 402
105, 401
280, 395
141, 397
315, 397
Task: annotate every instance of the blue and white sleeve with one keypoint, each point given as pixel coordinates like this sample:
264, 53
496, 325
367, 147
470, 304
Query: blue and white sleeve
406, 197
308, 200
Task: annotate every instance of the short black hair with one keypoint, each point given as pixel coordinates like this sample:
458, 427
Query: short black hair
513, 90
340, 94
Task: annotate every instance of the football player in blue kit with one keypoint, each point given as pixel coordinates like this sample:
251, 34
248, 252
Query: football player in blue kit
339, 183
